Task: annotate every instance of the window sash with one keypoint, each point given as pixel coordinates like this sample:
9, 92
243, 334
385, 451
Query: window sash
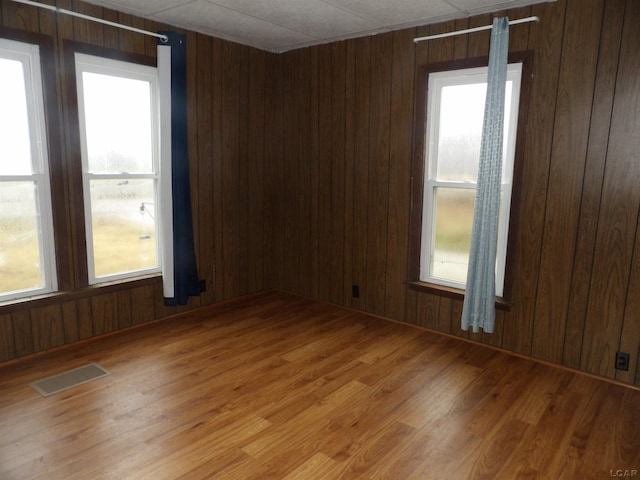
126, 70
436, 82
29, 56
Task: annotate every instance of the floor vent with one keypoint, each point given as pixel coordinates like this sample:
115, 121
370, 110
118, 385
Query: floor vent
69, 379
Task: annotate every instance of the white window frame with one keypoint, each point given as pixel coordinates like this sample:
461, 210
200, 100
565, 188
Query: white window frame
29, 55
119, 68
436, 82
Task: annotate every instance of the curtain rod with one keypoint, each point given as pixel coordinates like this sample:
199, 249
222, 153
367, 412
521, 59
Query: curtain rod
64, 11
471, 30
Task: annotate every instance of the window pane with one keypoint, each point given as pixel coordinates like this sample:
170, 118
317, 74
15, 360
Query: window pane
15, 147
118, 124
123, 221
460, 130
453, 222
20, 256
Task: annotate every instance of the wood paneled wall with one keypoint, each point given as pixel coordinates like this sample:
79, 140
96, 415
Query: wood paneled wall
226, 115
301, 178
338, 181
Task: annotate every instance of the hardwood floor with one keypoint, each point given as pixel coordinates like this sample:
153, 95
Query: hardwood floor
275, 386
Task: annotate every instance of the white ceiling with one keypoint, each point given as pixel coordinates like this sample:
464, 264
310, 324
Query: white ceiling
281, 25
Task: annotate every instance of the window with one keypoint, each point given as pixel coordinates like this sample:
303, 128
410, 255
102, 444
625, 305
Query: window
27, 258
452, 130
118, 112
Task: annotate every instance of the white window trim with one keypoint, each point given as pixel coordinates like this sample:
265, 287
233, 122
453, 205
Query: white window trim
436, 81
29, 55
95, 64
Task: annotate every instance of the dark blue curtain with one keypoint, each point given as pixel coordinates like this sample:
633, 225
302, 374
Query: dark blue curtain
185, 271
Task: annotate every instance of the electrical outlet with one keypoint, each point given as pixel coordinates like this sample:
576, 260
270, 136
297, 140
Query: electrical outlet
355, 291
203, 285
622, 361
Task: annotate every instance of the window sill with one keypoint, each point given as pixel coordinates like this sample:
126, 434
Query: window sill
44, 300
454, 293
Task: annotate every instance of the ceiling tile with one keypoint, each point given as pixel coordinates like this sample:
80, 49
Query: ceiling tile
475, 7
313, 17
206, 17
392, 13
142, 8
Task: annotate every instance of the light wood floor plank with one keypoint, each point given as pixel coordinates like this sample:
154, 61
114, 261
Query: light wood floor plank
276, 386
